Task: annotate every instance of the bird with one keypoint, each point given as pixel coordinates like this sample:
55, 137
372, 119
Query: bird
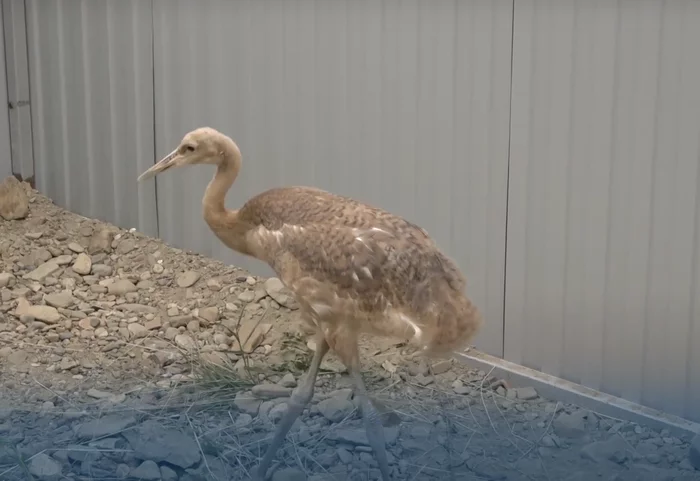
353, 268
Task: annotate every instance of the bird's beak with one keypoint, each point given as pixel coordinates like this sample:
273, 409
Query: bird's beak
173, 159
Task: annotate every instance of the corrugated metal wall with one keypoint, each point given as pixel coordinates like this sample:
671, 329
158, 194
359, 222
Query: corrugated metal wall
91, 83
20, 117
603, 247
404, 104
407, 105
5, 150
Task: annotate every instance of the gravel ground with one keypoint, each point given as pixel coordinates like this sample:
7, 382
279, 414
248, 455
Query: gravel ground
109, 347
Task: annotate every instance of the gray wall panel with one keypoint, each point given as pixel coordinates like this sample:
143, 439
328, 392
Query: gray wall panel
91, 72
603, 206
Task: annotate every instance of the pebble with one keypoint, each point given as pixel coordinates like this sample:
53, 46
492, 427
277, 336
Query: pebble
147, 470
271, 391
121, 287
188, 278
82, 264
44, 467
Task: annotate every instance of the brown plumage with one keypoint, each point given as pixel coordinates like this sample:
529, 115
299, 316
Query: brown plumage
353, 268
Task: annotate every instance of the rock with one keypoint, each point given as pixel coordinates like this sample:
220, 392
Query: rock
82, 264
62, 299
289, 474
137, 330
335, 409
525, 393
46, 314
105, 426
121, 287
277, 291
613, 449
125, 246
14, 202
5, 278
246, 296
156, 442
271, 391
44, 467
288, 380
570, 425
188, 278
441, 367
209, 314
147, 470
100, 241
167, 474
247, 403
97, 394
694, 454
185, 341
75, 247
42, 272
358, 436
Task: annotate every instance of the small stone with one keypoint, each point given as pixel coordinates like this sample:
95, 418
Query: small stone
336, 409
271, 391
459, 388
75, 247
288, 380
125, 246
88, 323
100, 241
289, 474
121, 287
167, 474
694, 454
247, 403
188, 278
104, 426
44, 467
62, 299
5, 278
148, 470
441, 367
209, 314
97, 394
43, 271
185, 341
246, 296
570, 425
613, 449
82, 264
14, 202
46, 314
526, 393
137, 330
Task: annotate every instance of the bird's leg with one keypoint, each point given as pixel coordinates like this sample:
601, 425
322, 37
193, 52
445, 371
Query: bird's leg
371, 417
300, 398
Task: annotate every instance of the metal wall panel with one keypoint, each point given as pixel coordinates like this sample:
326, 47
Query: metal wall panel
17, 69
5, 150
401, 103
91, 73
603, 251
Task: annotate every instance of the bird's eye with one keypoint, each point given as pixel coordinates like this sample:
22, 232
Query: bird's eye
189, 148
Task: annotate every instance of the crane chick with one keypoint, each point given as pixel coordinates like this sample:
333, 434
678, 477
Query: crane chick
352, 267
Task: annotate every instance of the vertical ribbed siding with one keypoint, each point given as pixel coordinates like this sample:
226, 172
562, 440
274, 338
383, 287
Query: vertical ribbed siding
604, 211
401, 103
20, 120
91, 70
5, 149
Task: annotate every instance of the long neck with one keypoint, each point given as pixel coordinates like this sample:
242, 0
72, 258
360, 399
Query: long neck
214, 196
223, 222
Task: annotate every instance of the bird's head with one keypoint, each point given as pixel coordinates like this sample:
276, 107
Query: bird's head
200, 146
